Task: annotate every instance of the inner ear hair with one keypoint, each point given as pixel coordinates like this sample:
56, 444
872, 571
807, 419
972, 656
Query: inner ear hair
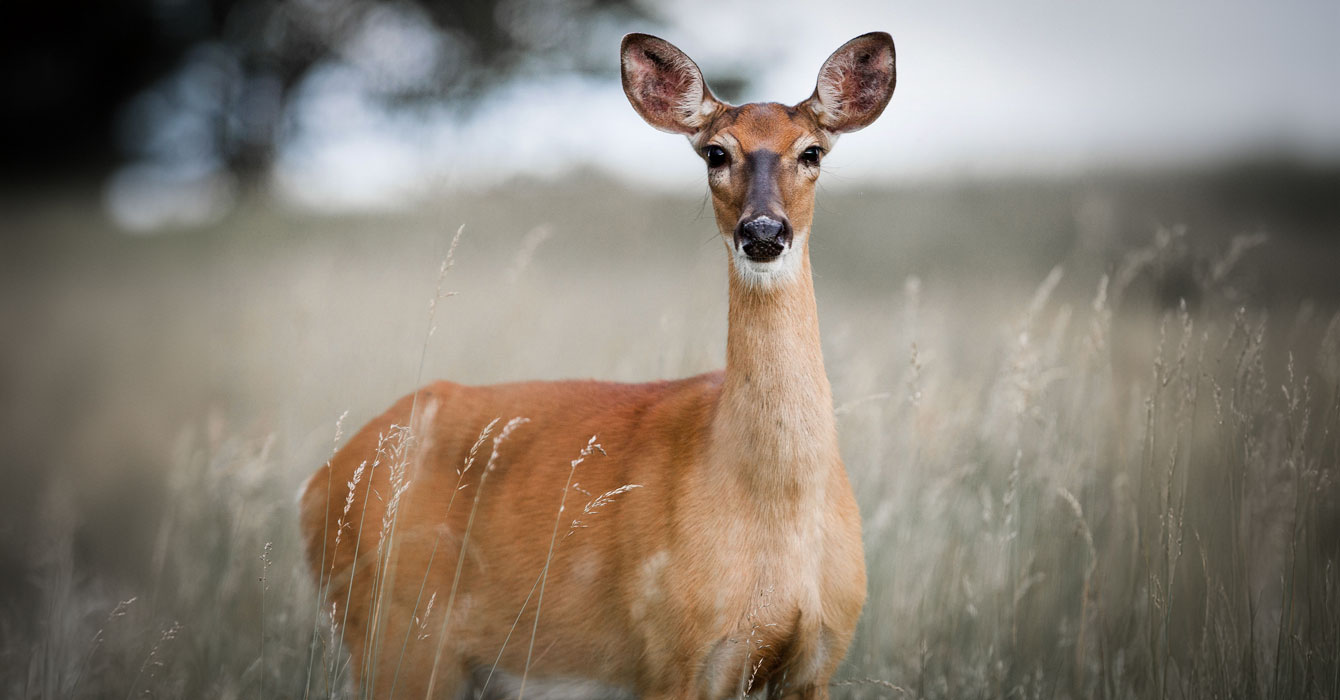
664, 85
855, 83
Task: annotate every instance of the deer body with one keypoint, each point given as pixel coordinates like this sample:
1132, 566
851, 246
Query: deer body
728, 557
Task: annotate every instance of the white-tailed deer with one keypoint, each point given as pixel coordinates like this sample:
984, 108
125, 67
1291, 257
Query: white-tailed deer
734, 565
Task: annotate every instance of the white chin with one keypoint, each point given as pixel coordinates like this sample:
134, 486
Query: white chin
769, 275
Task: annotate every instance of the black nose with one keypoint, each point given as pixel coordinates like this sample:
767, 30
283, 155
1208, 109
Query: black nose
762, 238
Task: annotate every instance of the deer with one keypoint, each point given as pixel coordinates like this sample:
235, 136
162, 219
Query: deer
723, 555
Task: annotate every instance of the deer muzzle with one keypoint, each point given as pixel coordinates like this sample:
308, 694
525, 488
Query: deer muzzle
762, 238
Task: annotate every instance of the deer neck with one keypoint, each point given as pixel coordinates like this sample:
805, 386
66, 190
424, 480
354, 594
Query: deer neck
774, 427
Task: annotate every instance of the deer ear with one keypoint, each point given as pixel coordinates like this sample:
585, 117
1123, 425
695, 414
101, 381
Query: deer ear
665, 86
855, 84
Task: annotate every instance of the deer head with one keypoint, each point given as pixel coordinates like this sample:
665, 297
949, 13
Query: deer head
763, 159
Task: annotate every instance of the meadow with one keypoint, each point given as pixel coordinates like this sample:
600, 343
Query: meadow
1092, 422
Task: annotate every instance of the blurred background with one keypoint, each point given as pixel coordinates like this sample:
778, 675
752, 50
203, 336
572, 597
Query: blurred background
1088, 250
177, 108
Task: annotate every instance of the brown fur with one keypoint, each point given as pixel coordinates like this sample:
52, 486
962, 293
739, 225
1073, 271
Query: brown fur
736, 562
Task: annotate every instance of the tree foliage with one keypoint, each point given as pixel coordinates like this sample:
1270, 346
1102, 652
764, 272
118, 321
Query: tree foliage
213, 80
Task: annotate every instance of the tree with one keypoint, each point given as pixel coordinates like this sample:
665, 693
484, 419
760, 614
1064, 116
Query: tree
213, 79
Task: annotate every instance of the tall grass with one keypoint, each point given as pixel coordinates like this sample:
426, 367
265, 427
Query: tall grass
1107, 494
1073, 522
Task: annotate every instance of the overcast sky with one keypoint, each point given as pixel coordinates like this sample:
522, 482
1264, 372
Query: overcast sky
984, 88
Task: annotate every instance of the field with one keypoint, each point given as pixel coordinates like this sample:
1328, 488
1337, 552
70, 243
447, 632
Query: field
1092, 423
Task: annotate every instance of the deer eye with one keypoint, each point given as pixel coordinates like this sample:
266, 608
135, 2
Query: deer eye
716, 156
811, 155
